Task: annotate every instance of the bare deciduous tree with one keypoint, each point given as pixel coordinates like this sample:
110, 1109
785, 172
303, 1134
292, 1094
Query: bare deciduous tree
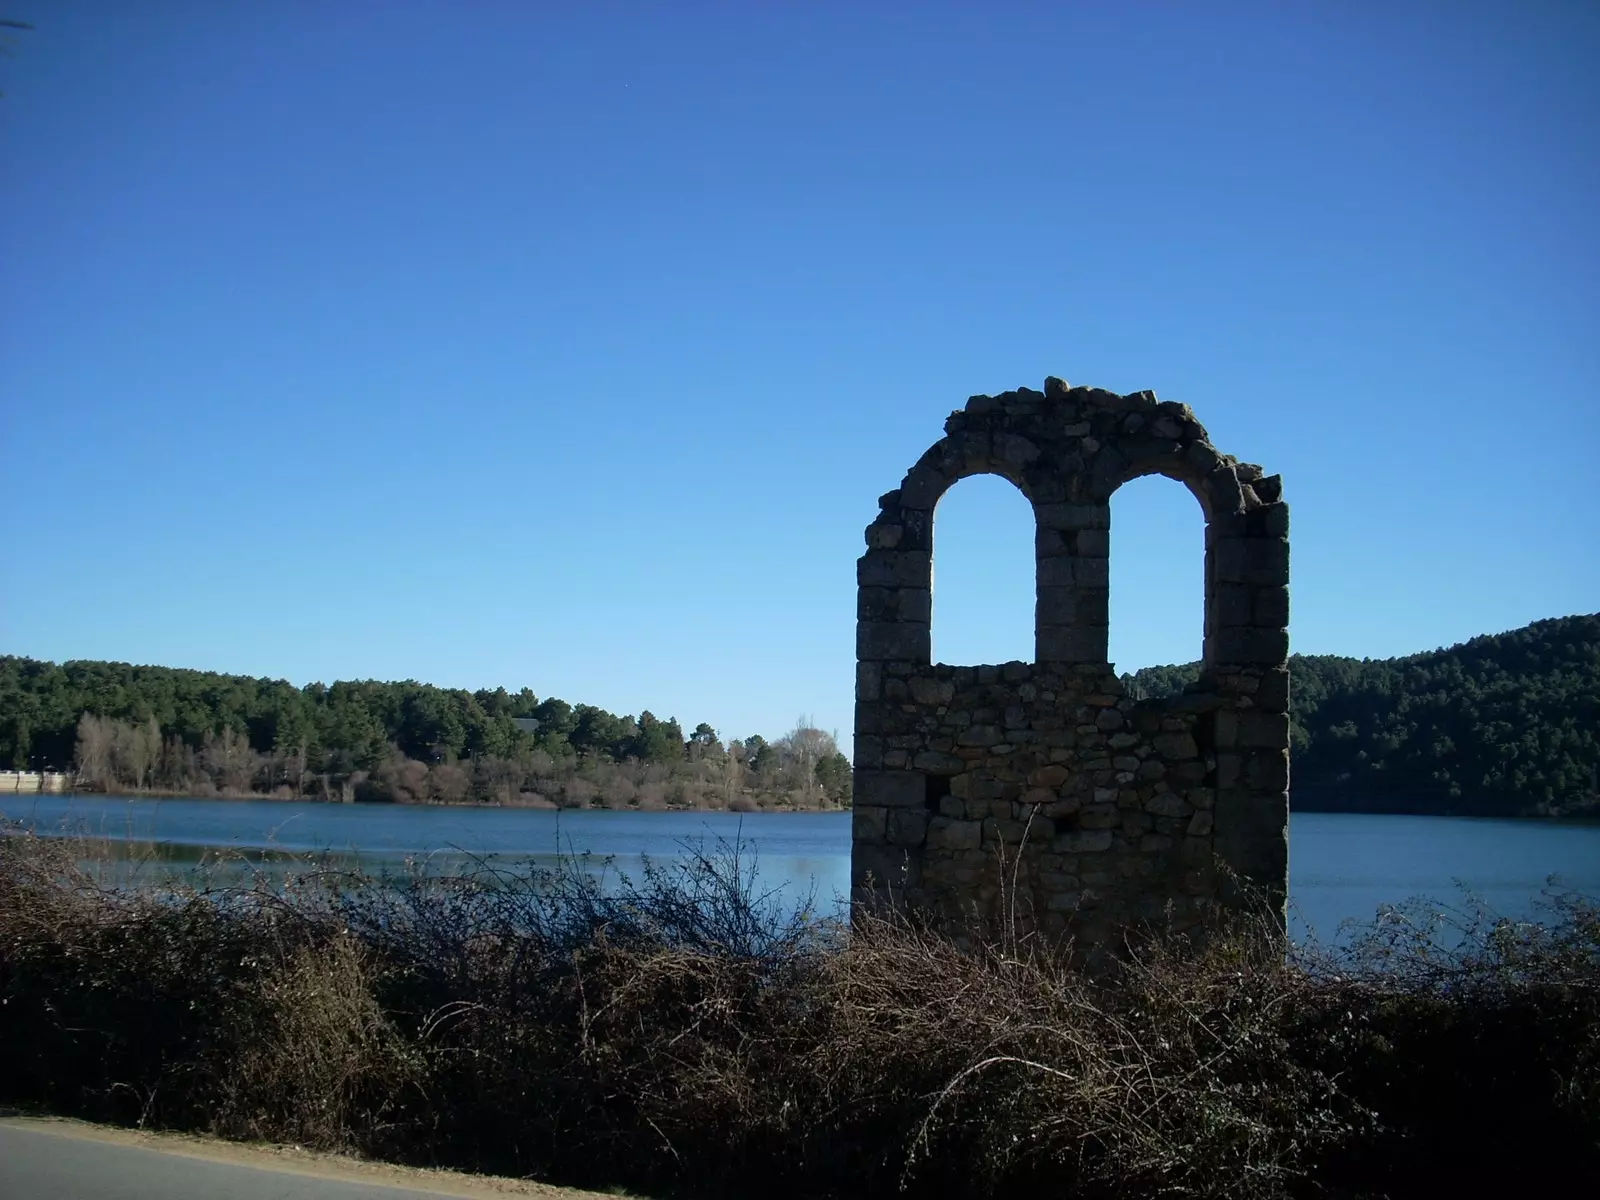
140, 748
732, 775
229, 760
95, 737
803, 747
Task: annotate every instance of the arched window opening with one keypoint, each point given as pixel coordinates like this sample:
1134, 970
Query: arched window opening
1158, 550
983, 573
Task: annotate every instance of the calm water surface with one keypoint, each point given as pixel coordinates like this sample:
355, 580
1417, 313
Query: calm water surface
1341, 865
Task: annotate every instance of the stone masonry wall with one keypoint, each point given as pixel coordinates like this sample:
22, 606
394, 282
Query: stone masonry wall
1100, 811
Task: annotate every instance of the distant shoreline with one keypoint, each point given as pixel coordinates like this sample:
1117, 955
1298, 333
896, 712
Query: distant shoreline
1317, 802
167, 794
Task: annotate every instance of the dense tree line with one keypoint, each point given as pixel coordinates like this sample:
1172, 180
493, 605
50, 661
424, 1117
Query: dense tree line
1505, 725
132, 727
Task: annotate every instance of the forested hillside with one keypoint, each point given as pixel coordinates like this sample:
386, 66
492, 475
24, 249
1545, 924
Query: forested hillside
1507, 724
133, 727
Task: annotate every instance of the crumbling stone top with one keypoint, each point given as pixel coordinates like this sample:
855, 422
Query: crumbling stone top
1068, 449
1076, 444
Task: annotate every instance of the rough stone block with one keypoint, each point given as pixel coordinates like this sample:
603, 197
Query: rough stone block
885, 866
1240, 812
947, 834
1248, 644
890, 789
884, 535
1267, 771
1271, 607
907, 826
1073, 516
895, 568
1201, 457
1055, 571
1093, 605
1048, 543
877, 604
869, 681
1260, 859
869, 717
1262, 561
1225, 729
1083, 841
1263, 729
917, 524
1275, 520
1056, 605
1273, 693
1014, 450
1153, 455
1223, 490
891, 640
868, 752
1176, 746
1072, 644
1168, 804
967, 452
1230, 769
1231, 605
914, 605
923, 485
1012, 832
1107, 470
869, 823
1092, 572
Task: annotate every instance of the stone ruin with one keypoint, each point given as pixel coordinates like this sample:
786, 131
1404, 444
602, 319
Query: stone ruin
1046, 782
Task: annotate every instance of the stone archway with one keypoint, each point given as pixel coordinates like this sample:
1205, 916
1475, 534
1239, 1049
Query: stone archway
1107, 811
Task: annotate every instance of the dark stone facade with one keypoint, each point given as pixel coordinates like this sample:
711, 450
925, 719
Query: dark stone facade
1101, 810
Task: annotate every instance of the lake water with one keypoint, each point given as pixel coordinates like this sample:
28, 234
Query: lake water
1341, 865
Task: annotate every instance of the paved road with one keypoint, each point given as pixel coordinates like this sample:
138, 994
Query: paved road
62, 1161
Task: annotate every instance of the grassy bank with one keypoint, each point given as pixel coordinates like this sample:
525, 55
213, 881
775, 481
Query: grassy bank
694, 1037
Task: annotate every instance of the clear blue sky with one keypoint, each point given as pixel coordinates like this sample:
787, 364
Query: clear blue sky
569, 346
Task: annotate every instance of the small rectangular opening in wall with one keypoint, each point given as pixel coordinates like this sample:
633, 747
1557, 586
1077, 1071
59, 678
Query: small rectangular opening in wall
937, 788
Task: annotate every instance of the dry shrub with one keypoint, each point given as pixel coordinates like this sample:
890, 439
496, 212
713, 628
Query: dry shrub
576, 793
449, 783
689, 1032
618, 792
318, 1062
